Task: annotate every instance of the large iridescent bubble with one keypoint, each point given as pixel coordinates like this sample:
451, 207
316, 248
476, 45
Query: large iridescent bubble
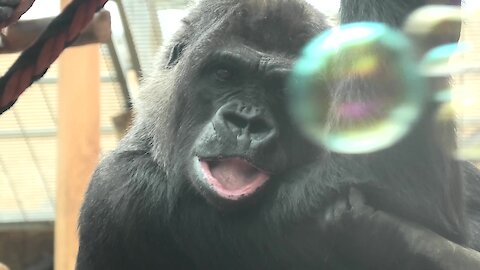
357, 89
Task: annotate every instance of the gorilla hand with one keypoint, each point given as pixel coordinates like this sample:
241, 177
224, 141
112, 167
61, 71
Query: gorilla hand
356, 228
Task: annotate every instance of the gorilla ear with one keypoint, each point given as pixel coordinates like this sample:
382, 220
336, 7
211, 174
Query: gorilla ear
175, 55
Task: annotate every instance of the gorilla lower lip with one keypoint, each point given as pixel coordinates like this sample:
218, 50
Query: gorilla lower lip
233, 178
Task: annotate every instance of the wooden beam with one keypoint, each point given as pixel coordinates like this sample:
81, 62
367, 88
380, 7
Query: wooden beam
21, 35
78, 143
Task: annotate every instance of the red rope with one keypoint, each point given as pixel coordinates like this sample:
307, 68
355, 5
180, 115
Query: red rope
46, 50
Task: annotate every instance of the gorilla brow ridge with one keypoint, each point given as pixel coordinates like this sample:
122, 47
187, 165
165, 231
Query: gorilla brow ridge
254, 21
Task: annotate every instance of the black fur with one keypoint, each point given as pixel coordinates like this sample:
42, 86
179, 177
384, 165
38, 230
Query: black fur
146, 209
390, 12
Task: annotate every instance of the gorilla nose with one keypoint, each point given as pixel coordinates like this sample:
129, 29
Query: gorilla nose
254, 125
247, 120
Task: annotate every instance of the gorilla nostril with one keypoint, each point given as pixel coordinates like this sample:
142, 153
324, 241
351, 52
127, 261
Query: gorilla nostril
252, 124
259, 126
236, 120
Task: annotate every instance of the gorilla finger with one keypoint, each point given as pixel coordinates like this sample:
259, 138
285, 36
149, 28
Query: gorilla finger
340, 208
358, 207
327, 217
335, 212
356, 198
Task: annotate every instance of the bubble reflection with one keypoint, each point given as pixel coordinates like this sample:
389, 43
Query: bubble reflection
357, 88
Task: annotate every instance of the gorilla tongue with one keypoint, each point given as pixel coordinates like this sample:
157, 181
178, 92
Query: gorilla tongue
234, 178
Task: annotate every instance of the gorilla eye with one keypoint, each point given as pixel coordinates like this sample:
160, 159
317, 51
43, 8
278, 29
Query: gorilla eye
223, 74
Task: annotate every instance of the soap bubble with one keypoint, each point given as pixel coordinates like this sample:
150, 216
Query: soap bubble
434, 25
357, 88
437, 61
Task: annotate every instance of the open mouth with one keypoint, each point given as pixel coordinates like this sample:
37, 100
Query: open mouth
233, 178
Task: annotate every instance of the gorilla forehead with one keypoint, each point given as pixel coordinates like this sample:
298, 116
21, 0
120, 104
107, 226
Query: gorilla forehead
254, 22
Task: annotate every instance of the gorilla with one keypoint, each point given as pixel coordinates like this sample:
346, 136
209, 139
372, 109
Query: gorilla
214, 173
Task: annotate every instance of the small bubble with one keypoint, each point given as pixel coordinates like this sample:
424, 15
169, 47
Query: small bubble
434, 25
437, 62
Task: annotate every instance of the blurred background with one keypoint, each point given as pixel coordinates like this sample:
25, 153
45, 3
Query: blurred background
34, 158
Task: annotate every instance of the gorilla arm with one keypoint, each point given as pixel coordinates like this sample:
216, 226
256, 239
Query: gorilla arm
116, 227
368, 234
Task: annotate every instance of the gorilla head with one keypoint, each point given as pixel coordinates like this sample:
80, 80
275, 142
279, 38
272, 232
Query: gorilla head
224, 123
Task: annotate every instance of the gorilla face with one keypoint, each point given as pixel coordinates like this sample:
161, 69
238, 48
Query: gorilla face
232, 134
239, 148
242, 144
